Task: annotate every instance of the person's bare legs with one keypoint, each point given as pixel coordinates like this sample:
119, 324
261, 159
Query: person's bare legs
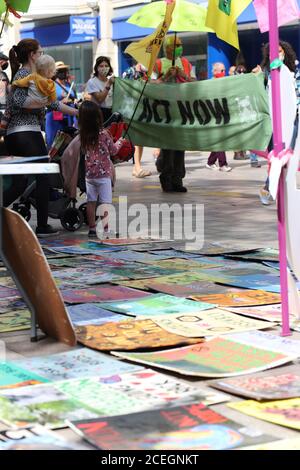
138, 172
91, 216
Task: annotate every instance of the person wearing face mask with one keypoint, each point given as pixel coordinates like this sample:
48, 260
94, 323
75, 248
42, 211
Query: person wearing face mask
99, 87
56, 120
172, 68
219, 71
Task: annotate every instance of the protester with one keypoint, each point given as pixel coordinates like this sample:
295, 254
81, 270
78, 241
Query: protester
99, 87
172, 68
98, 146
66, 94
137, 72
24, 137
219, 71
288, 56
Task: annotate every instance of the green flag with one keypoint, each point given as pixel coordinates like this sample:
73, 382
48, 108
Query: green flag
214, 115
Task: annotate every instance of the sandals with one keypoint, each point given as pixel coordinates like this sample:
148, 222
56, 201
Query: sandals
141, 174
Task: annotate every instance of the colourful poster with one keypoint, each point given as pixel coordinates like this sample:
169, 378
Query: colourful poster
277, 384
240, 298
282, 412
14, 321
81, 362
103, 293
9, 305
87, 314
208, 323
264, 254
264, 312
190, 427
217, 357
12, 376
129, 335
157, 304
284, 345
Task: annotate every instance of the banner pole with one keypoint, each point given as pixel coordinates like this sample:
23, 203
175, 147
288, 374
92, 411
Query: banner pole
278, 146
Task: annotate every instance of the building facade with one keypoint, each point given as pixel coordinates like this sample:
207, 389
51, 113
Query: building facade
76, 32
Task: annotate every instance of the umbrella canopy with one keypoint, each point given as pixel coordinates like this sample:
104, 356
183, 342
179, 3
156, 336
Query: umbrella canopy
186, 16
18, 5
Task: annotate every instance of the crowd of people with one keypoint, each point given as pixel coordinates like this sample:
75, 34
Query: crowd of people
41, 97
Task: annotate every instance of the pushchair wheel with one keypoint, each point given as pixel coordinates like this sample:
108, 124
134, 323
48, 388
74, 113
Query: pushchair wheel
71, 219
23, 210
82, 209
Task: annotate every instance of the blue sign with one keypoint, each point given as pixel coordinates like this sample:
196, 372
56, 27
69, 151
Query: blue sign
84, 27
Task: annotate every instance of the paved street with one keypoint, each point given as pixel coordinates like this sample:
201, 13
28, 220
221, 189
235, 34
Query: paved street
233, 214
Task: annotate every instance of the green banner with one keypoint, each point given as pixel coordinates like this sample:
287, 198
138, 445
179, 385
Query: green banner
229, 113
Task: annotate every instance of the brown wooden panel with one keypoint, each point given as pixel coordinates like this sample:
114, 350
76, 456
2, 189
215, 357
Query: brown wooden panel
26, 259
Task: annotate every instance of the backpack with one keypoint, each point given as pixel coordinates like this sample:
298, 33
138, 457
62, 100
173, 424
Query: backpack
126, 152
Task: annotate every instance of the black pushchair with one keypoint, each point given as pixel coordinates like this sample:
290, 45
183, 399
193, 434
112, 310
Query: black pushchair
23, 190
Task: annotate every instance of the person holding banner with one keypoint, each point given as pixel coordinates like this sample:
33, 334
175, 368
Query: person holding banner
172, 68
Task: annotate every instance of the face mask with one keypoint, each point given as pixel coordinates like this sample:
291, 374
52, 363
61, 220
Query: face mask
104, 71
219, 74
61, 75
178, 51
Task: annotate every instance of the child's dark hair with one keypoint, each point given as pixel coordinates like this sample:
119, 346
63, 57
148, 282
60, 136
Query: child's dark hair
90, 122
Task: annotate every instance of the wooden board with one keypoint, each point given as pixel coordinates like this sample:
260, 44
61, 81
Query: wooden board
25, 258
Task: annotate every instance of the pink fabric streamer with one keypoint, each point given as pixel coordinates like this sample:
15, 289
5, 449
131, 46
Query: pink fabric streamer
288, 11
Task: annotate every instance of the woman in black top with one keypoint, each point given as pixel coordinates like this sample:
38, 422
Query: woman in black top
24, 137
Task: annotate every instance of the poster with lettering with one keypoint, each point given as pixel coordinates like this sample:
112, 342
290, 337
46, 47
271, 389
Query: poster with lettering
157, 304
12, 376
190, 427
81, 362
240, 298
282, 412
129, 335
210, 322
216, 357
274, 385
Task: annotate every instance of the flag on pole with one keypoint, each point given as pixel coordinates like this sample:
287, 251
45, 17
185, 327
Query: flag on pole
146, 50
222, 16
288, 11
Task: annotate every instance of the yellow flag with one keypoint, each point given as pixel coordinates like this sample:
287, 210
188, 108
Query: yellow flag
146, 50
222, 16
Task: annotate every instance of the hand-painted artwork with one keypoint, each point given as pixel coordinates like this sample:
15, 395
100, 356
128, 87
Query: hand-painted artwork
88, 262
157, 304
85, 247
40, 404
180, 264
7, 281
264, 254
277, 384
191, 289
124, 241
140, 271
92, 314
240, 298
12, 376
129, 335
270, 341
14, 321
208, 323
84, 276
135, 284
216, 248
267, 283
161, 389
80, 362
8, 292
10, 304
264, 312
103, 293
190, 427
282, 412
217, 357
